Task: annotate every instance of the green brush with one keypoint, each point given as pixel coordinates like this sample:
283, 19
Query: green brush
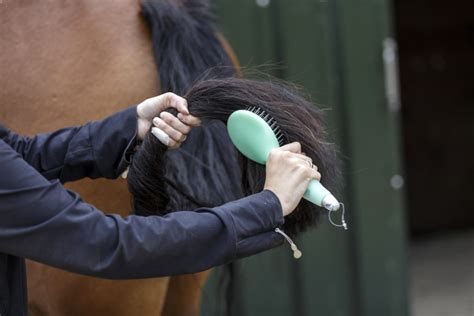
255, 133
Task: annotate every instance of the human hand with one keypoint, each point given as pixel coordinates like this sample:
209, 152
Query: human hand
169, 129
288, 173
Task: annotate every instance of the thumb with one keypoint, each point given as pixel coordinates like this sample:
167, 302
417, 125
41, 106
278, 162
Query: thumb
172, 100
153, 106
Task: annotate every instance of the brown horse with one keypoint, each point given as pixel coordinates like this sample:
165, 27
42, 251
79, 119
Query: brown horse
65, 63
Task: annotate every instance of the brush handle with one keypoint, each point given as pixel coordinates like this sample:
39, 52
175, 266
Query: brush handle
316, 193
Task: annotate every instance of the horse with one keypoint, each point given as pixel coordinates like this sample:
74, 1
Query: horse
66, 63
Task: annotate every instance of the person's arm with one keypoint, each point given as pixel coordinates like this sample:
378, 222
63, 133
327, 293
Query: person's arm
42, 221
101, 148
96, 149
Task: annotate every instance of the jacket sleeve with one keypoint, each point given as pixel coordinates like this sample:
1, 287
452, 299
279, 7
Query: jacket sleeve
42, 221
96, 149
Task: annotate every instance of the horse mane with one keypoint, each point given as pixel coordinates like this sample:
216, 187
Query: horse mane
185, 43
186, 47
216, 100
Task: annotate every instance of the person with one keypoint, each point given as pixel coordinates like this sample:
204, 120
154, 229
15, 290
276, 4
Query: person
42, 221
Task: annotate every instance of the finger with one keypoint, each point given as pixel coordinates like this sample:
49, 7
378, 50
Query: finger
310, 173
315, 167
189, 119
299, 166
175, 123
294, 147
174, 144
299, 158
316, 175
170, 131
305, 158
175, 101
162, 136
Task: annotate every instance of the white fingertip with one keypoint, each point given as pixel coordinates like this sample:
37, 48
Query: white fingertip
162, 136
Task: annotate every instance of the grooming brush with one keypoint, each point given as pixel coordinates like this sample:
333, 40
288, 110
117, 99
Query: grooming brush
255, 133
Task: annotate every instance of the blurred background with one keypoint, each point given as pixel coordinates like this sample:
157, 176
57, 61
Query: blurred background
397, 76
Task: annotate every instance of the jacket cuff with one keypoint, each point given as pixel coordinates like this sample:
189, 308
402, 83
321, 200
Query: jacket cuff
127, 156
254, 218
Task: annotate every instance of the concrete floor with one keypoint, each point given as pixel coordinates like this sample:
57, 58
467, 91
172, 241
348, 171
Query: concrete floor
442, 275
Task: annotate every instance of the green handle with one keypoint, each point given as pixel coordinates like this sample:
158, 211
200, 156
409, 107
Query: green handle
316, 192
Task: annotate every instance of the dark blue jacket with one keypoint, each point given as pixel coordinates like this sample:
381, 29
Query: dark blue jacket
42, 221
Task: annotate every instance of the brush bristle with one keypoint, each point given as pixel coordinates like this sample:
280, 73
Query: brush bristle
271, 122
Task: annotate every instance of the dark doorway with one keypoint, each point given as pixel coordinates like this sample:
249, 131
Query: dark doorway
436, 51
436, 56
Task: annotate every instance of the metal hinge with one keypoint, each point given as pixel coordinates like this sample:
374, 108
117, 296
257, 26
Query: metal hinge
392, 83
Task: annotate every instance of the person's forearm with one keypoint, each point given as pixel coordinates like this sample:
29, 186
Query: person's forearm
93, 150
42, 221
138, 247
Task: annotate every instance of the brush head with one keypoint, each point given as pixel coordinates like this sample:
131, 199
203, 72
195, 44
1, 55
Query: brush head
255, 133
272, 123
